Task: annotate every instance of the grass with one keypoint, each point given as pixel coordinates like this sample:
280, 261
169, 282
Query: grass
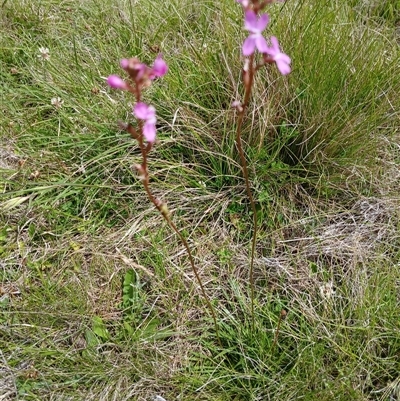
97, 299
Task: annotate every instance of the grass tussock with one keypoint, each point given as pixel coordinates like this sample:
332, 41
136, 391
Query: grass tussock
97, 299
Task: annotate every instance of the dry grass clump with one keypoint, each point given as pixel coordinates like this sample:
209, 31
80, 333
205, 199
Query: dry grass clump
8, 388
338, 246
8, 159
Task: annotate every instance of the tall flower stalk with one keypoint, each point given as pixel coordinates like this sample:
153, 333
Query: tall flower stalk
255, 22
145, 133
257, 53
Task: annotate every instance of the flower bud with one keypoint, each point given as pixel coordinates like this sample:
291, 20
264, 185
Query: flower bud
162, 207
140, 170
124, 63
160, 67
117, 83
237, 105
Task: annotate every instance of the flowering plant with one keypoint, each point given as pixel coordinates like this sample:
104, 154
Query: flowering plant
255, 22
141, 76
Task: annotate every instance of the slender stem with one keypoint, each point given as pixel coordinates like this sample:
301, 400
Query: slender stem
165, 213
162, 208
196, 273
248, 81
282, 316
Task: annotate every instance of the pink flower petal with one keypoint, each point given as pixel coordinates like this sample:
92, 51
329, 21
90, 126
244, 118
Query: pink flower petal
160, 67
151, 113
116, 82
275, 43
149, 131
249, 45
261, 44
244, 3
262, 22
141, 111
254, 24
283, 67
283, 57
250, 20
124, 63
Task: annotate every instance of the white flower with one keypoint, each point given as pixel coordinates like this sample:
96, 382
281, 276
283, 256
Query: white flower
327, 290
44, 53
57, 102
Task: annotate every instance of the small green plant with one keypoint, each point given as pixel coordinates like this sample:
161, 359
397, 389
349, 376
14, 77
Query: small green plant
139, 321
99, 328
224, 256
133, 302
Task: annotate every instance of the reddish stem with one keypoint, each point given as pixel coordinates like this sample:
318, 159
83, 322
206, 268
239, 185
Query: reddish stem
248, 79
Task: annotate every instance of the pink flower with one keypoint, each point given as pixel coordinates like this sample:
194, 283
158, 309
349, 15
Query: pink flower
124, 63
147, 113
282, 60
236, 104
255, 26
116, 82
160, 67
134, 67
244, 3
